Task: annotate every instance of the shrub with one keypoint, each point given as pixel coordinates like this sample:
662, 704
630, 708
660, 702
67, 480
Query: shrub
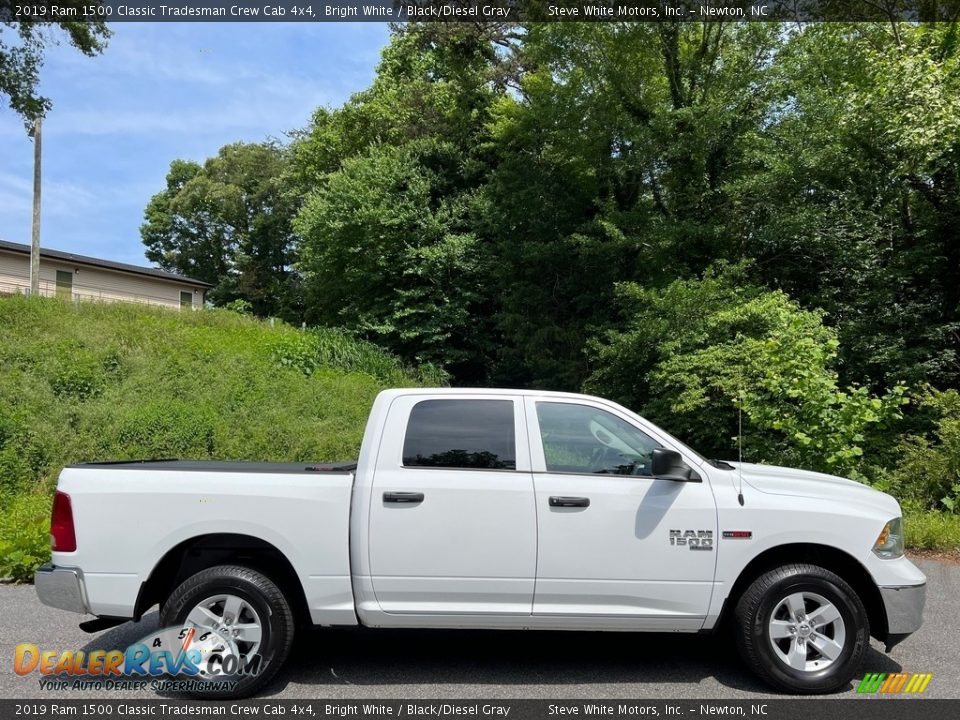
165, 429
932, 530
325, 348
24, 455
928, 471
239, 306
697, 350
24, 536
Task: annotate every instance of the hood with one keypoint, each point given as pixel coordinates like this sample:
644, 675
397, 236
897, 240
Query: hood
775, 480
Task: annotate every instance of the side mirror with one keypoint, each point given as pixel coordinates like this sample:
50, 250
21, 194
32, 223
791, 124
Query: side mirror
669, 465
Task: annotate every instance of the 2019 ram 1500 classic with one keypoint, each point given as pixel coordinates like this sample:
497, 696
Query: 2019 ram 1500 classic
491, 509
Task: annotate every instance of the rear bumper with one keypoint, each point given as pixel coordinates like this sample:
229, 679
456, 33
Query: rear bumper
62, 588
904, 608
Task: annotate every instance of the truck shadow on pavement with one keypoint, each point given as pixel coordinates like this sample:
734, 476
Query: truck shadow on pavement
368, 658
481, 660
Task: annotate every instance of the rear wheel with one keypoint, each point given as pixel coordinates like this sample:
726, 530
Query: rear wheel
248, 616
803, 629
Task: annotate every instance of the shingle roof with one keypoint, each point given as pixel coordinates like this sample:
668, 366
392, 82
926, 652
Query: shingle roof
97, 262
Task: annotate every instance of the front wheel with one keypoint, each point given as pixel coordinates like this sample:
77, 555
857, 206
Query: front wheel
239, 622
802, 629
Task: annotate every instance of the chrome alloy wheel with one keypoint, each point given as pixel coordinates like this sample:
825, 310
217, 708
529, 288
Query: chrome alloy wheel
807, 631
232, 618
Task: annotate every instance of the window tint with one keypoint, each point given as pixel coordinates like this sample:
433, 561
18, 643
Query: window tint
475, 434
581, 439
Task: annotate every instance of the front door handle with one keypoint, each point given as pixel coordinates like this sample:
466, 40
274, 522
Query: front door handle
567, 501
403, 497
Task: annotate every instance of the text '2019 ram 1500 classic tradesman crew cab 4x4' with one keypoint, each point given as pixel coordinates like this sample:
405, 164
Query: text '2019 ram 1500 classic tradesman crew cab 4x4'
491, 509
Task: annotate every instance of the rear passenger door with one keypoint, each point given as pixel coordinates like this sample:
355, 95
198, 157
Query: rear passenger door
452, 520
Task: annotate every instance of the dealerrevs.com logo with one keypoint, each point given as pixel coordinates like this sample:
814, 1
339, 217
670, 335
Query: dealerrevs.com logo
171, 659
895, 683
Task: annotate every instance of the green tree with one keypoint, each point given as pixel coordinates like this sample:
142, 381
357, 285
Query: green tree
927, 471
567, 159
693, 354
614, 159
21, 59
853, 202
393, 230
228, 222
389, 255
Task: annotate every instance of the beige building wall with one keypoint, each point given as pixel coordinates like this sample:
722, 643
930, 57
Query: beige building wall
92, 283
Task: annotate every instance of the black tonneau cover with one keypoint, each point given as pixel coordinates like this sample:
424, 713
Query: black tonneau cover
286, 468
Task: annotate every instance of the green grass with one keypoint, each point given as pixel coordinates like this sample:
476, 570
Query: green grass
24, 535
96, 381
932, 530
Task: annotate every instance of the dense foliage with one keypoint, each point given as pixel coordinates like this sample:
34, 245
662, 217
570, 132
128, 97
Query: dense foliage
229, 222
92, 382
928, 475
691, 218
21, 56
711, 223
698, 351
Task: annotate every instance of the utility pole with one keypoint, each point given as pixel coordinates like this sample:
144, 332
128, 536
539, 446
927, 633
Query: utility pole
35, 241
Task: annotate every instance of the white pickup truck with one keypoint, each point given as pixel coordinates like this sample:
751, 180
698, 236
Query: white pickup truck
502, 509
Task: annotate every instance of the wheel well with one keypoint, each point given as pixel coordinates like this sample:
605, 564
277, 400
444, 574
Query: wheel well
830, 558
204, 551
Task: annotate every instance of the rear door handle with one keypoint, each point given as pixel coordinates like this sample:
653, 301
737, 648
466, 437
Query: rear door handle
403, 497
567, 501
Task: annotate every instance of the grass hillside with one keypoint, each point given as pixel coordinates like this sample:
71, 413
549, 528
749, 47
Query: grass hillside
96, 381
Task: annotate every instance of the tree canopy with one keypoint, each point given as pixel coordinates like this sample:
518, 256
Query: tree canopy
228, 222
22, 56
692, 218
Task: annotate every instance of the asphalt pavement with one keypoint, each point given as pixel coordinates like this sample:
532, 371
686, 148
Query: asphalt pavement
421, 664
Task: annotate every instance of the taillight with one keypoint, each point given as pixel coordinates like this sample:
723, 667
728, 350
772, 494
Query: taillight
62, 535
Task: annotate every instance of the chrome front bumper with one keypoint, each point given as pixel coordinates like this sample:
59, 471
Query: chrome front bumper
904, 606
62, 588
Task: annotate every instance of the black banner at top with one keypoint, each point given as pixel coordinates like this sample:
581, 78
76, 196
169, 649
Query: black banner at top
859, 708
478, 10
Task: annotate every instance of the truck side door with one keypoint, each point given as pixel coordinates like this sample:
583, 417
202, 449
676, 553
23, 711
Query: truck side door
614, 541
452, 518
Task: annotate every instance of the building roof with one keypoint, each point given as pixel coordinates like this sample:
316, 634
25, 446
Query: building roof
106, 264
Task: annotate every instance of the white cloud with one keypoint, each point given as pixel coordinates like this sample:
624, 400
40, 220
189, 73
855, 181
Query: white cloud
194, 80
15, 183
57, 198
118, 119
263, 118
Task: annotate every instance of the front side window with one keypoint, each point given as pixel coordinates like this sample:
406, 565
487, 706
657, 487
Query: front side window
467, 434
583, 439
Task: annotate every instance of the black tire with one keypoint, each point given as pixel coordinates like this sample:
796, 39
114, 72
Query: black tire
753, 619
277, 621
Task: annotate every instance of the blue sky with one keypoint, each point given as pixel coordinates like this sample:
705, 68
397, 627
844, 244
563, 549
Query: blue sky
158, 92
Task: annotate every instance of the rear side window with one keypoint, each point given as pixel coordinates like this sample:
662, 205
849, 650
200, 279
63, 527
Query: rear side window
470, 434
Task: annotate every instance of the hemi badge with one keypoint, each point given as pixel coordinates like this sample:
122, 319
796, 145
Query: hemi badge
738, 534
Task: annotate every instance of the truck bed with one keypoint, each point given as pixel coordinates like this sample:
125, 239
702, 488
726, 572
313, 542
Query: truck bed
285, 468
151, 507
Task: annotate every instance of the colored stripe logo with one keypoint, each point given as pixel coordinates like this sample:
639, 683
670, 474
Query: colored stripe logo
895, 683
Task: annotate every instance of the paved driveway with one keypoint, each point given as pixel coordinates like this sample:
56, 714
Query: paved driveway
418, 664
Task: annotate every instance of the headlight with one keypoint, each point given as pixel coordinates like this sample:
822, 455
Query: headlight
890, 543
